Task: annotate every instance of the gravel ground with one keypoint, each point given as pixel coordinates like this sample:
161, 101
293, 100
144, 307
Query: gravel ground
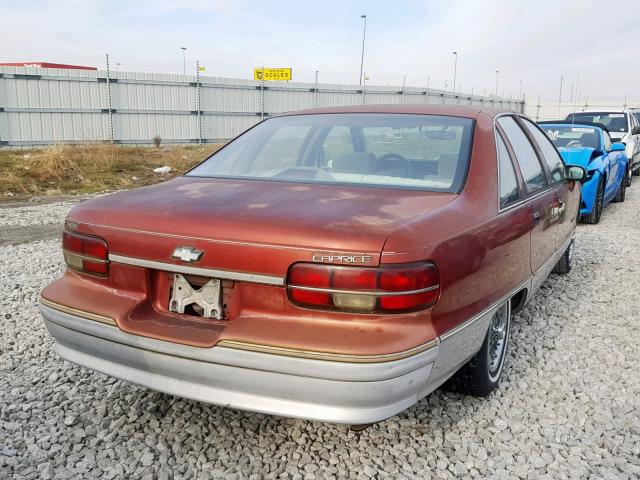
569, 405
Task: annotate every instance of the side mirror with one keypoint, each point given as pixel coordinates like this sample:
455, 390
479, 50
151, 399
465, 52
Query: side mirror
617, 147
576, 173
635, 131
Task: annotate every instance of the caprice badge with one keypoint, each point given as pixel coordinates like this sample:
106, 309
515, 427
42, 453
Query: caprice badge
337, 258
187, 254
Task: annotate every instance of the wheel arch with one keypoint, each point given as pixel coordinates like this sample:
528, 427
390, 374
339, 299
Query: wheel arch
519, 300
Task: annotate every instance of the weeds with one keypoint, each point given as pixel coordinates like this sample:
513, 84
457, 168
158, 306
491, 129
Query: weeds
91, 168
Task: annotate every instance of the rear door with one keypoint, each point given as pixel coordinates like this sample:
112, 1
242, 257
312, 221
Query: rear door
541, 198
567, 196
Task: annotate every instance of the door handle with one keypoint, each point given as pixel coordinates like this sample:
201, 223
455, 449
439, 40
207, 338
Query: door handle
536, 215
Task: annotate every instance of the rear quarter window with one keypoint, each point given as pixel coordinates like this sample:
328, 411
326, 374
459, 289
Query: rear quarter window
526, 156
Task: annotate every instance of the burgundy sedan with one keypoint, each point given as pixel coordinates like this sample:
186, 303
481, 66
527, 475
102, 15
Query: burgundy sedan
331, 264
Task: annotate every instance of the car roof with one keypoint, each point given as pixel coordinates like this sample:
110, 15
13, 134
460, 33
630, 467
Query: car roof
447, 110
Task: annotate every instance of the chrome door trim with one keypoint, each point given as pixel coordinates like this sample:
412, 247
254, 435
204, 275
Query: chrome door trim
475, 318
203, 272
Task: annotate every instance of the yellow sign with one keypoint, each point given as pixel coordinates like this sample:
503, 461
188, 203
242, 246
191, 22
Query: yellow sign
271, 74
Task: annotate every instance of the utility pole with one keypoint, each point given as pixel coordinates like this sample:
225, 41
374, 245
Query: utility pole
497, 75
184, 60
560, 93
364, 34
455, 69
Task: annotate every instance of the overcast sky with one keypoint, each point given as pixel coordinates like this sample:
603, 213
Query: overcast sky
593, 44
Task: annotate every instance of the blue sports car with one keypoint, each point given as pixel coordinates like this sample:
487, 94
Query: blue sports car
589, 145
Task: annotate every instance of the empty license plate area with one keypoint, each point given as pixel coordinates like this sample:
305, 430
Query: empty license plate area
203, 299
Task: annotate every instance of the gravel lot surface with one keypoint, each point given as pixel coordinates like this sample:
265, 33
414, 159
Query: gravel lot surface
568, 407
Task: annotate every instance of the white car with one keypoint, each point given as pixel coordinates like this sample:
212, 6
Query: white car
623, 126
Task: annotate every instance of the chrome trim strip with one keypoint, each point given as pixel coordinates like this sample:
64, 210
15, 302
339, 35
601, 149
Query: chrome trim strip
84, 257
80, 313
376, 293
204, 272
328, 356
472, 320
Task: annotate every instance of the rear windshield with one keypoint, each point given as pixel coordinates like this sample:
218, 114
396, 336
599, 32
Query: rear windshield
428, 152
614, 121
572, 136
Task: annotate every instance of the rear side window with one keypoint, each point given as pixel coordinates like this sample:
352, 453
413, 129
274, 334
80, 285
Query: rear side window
526, 156
549, 153
508, 184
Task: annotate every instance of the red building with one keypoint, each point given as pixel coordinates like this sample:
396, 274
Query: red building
46, 65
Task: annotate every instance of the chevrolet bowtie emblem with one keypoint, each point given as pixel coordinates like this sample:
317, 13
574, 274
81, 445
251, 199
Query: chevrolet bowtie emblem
187, 254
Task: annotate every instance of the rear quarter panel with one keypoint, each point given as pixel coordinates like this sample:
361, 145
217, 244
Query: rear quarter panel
481, 254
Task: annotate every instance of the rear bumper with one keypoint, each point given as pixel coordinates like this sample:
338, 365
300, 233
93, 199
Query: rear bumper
339, 392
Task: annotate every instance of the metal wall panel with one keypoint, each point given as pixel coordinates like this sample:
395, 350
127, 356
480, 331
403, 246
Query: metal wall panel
141, 127
58, 105
37, 128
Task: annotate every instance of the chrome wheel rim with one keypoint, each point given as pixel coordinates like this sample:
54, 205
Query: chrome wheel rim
498, 338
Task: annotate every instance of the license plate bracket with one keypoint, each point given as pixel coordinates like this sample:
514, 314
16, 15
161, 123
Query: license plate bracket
207, 297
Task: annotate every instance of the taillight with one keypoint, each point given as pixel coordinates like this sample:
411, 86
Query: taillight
85, 253
386, 289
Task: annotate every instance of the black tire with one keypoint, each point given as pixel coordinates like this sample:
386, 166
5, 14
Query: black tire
622, 192
629, 175
594, 217
481, 375
635, 169
564, 264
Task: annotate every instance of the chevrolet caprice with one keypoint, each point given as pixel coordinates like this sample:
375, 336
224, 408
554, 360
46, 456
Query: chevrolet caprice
331, 264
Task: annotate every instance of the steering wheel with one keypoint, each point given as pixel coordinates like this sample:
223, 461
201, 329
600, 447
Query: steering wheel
574, 143
394, 157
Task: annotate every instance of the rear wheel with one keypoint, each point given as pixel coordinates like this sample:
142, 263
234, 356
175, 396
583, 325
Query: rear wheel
564, 264
481, 375
629, 175
598, 204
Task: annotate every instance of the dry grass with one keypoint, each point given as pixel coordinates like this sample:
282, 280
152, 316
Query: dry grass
70, 169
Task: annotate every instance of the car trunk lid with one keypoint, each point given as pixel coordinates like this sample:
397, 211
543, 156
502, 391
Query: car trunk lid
252, 226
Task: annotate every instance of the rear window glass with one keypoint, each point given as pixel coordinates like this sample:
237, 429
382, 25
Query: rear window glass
429, 152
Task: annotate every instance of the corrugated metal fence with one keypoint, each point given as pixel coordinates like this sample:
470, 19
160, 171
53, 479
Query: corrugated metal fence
43, 106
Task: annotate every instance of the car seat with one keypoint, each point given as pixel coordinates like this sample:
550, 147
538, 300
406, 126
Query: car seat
589, 140
358, 162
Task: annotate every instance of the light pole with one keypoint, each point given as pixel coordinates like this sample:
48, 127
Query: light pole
497, 75
455, 69
117, 67
560, 92
364, 33
520, 91
184, 60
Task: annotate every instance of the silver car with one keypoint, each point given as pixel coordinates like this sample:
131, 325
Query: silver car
623, 126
